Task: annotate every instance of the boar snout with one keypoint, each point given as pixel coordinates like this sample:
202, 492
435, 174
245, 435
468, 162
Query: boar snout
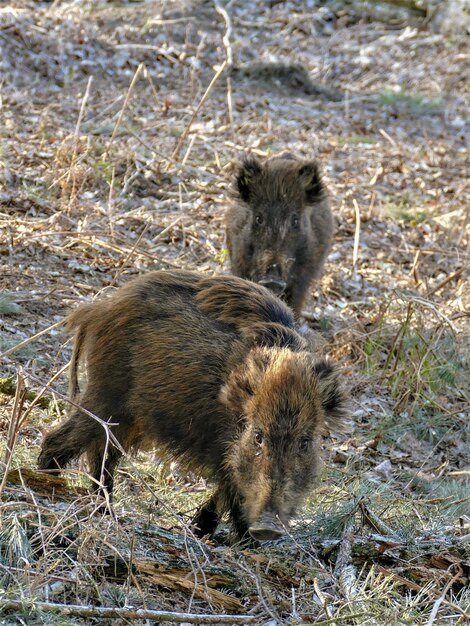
267, 528
274, 284
273, 280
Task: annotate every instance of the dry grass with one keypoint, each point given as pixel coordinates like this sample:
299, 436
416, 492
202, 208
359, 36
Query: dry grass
117, 153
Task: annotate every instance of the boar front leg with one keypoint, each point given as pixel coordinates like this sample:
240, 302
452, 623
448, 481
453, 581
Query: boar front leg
207, 518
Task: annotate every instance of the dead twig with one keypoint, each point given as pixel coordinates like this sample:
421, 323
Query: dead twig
24, 343
374, 521
74, 160
228, 33
447, 280
124, 613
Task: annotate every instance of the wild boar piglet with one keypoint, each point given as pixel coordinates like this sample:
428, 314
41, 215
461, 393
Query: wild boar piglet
211, 372
279, 225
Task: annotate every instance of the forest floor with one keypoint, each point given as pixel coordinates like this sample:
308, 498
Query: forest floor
121, 124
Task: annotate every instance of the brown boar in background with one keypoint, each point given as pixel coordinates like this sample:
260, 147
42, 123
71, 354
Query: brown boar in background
212, 372
279, 225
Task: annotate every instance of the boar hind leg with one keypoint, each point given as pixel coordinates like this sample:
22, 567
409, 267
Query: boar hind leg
103, 458
207, 518
62, 445
77, 435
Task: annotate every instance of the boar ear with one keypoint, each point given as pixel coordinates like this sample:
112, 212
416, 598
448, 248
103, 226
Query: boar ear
249, 170
243, 383
332, 396
310, 179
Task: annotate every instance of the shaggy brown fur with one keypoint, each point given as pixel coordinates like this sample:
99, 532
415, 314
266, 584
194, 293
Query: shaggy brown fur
279, 225
213, 373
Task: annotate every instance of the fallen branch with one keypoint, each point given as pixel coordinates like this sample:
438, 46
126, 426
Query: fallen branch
45, 484
344, 571
181, 582
123, 613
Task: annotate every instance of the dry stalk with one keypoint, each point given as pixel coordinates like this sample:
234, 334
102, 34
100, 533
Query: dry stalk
437, 334
465, 257
182, 139
334, 621
74, 161
124, 106
196, 569
345, 571
357, 233
16, 421
43, 390
166, 229
110, 202
397, 342
228, 54
270, 610
143, 46
82, 108
123, 613
434, 308
119, 249
129, 256
441, 599
420, 589
105, 425
194, 171
228, 33
321, 596
391, 141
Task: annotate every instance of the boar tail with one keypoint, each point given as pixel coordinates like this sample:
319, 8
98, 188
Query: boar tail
76, 321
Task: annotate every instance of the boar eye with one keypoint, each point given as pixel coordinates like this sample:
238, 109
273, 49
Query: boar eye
295, 222
259, 219
258, 438
304, 444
